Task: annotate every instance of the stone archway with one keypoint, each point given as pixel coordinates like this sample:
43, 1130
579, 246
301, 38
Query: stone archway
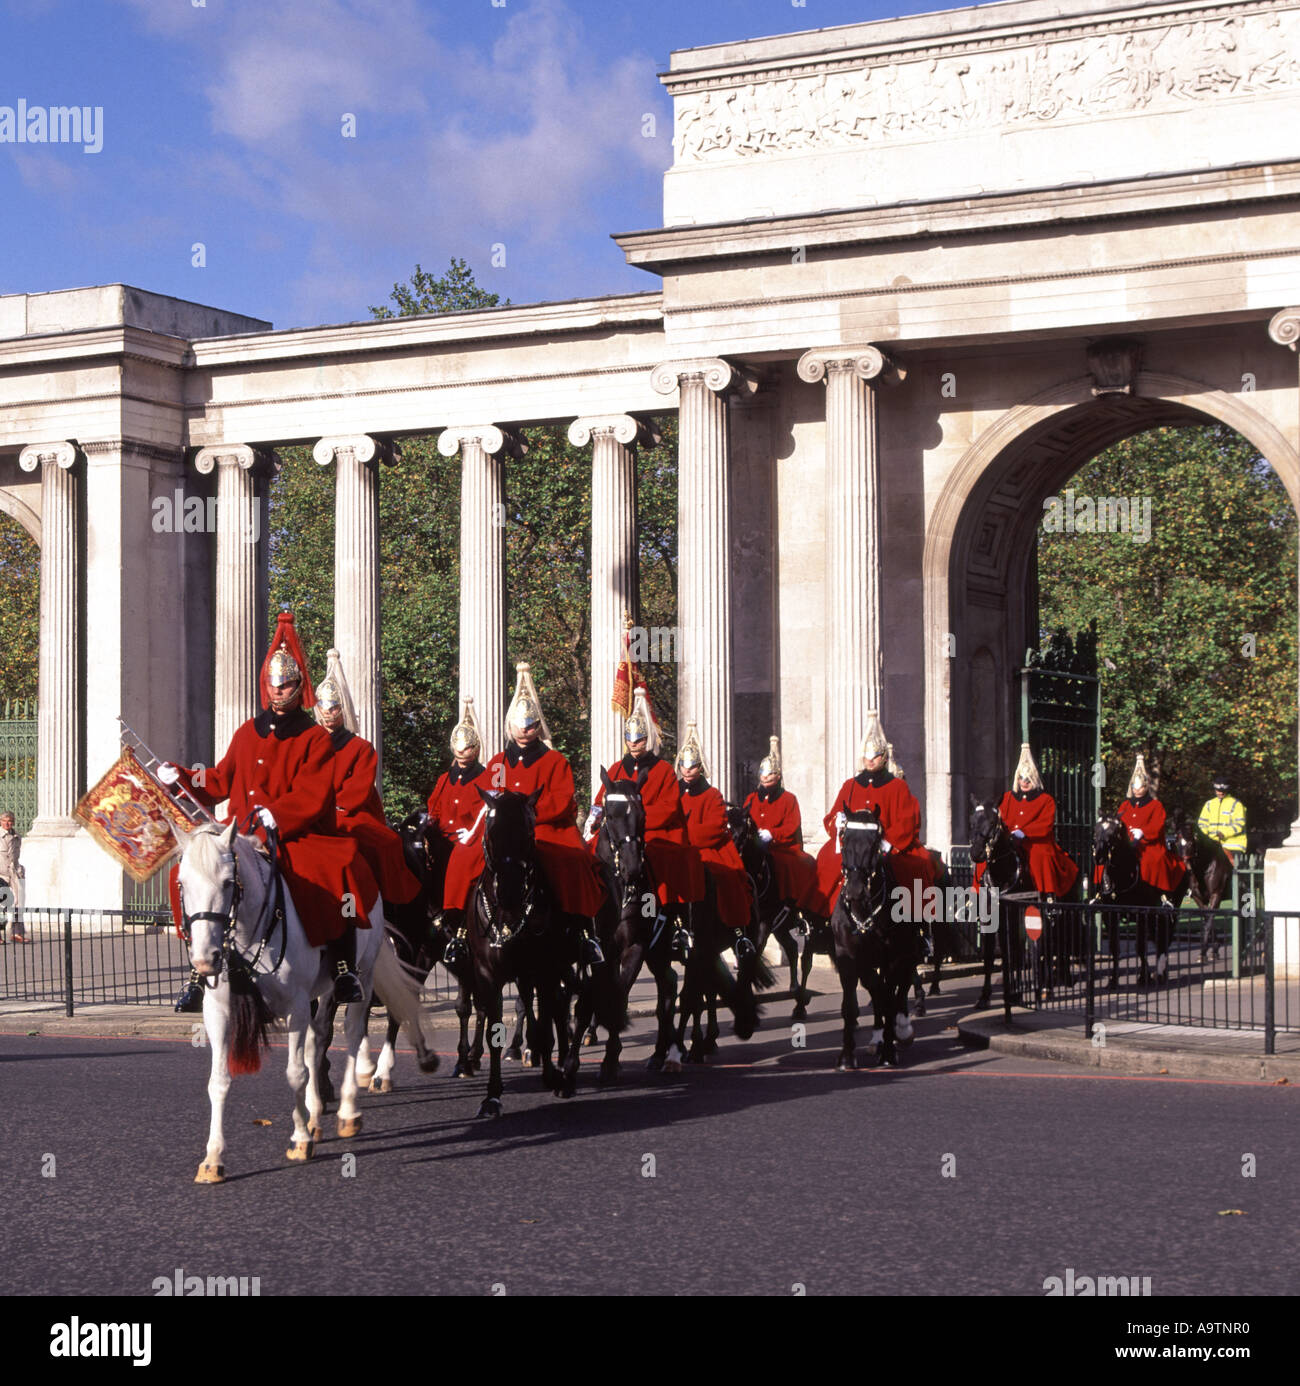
980, 546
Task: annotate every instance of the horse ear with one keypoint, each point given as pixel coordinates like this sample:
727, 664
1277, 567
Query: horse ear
227, 837
534, 796
605, 779
487, 795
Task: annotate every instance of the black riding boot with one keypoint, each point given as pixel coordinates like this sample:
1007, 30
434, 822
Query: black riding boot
683, 940
343, 963
190, 999
457, 950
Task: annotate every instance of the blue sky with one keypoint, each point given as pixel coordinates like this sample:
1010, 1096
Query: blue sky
477, 124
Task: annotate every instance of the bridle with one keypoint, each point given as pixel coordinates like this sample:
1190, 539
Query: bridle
496, 932
237, 967
616, 845
1105, 855
872, 921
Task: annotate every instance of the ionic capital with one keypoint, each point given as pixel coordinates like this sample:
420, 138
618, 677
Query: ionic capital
623, 427
866, 362
489, 437
259, 461
719, 375
361, 446
1285, 328
62, 454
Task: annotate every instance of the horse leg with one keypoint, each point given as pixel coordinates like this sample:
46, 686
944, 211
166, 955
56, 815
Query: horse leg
711, 1030
1112, 943
988, 946
349, 1117
216, 1020
464, 1006
382, 1081
491, 1104
848, 971
301, 1071
803, 996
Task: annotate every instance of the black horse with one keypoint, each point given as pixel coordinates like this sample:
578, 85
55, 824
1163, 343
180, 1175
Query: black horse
871, 946
1209, 874
515, 935
632, 930
776, 918
1006, 868
1123, 887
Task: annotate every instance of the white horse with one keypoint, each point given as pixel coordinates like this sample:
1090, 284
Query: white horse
260, 968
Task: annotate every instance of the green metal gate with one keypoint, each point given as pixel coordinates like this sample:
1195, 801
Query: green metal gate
1060, 717
18, 761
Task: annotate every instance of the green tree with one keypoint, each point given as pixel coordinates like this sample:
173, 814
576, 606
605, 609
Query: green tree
1197, 626
20, 610
548, 561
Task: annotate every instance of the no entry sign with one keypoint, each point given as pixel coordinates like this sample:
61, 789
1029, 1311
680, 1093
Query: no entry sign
1033, 923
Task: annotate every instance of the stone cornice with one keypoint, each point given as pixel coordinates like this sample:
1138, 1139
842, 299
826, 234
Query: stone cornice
387, 335
148, 452
783, 59
1070, 204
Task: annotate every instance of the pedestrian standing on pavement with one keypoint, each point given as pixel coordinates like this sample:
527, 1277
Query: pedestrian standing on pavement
11, 877
1224, 819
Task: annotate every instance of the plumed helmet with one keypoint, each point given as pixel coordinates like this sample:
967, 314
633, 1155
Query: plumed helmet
1139, 782
285, 662
642, 725
334, 692
1027, 768
465, 735
525, 708
283, 668
891, 764
771, 762
873, 740
691, 753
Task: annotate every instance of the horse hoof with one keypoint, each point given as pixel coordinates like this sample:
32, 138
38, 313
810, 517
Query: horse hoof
381, 1085
608, 1074
530, 1060
672, 1066
314, 1132
210, 1174
512, 1055
742, 1029
349, 1127
429, 1064
800, 1012
920, 1005
655, 1063
985, 1001
588, 1040
846, 1063
300, 1150
463, 1069
934, 988
490, 1107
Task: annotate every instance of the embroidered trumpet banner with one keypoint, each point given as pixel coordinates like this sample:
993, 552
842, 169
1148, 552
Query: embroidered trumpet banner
132, 818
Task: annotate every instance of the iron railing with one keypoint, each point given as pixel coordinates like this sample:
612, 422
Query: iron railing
18, 761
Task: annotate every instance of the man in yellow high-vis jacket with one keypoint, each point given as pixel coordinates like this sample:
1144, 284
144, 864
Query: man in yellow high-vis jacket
1224, 819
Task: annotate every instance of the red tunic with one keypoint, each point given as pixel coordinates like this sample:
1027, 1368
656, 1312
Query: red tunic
900, 821
674, 863
361, 815
1053, 872
286, 765
795, 869
707, 830
454, 804
569, 870
1158, 865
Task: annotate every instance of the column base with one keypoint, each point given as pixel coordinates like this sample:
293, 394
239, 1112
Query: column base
1282, 898
67, 870
52, 827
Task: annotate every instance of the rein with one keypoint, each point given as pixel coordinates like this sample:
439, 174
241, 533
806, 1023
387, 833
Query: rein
493, 930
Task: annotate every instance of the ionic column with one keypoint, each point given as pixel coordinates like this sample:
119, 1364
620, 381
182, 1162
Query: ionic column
482, 570
58, 711
1285, 331
704, 680
356, 569
613, 565
853, 645
238, 619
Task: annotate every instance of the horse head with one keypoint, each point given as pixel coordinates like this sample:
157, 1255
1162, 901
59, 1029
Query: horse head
1185, 835
741, 826
413, 830
209, 888
985, 829
1109, 839
621, 842
509, 850
861, 855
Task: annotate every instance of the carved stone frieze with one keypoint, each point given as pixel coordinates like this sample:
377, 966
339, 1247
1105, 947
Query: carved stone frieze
1023, 81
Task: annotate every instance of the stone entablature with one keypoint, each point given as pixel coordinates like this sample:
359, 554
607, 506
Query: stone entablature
1027, 100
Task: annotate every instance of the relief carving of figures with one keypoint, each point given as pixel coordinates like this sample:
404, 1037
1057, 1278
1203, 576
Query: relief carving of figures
1160, 67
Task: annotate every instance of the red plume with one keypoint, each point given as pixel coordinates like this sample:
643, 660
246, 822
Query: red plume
286, 635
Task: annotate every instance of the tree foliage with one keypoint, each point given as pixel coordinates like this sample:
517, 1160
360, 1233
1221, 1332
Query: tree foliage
548, 574
20, 610
1197, 627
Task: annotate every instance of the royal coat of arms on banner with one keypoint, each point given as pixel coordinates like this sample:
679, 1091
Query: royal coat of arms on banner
132, 818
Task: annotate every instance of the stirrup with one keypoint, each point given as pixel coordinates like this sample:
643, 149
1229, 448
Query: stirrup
742, 945
592, 954
347, 988
190, 1000
682, 943
454, 954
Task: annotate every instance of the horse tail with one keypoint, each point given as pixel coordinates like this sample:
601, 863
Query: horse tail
759, 972
400, 993
251, 1021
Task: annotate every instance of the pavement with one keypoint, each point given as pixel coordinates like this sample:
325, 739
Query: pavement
1185, 1051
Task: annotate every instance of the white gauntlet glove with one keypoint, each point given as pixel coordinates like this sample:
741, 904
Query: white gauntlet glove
463, 835
592, 823
840, 821
886, 844
764, 835
1137, 834
267, 817
168, 773
1017, 832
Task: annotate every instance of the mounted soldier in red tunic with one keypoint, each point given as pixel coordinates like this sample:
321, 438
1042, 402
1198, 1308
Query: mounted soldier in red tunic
776, 815
708, 832
1144, 817
279, 771
531, 764
356, 797
675, 865
456, 810
1029, 813
900, 821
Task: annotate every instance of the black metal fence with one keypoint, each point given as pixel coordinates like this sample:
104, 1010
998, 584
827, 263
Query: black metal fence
110, 957
1112, 965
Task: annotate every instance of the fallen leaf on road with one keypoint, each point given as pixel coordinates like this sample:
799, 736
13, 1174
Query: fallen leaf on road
1232, 1212
1164, 1070
1280, 1082
261, 1121
530, 1221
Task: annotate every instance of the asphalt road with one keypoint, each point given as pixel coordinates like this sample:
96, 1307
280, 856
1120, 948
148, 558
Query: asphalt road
769, 1171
